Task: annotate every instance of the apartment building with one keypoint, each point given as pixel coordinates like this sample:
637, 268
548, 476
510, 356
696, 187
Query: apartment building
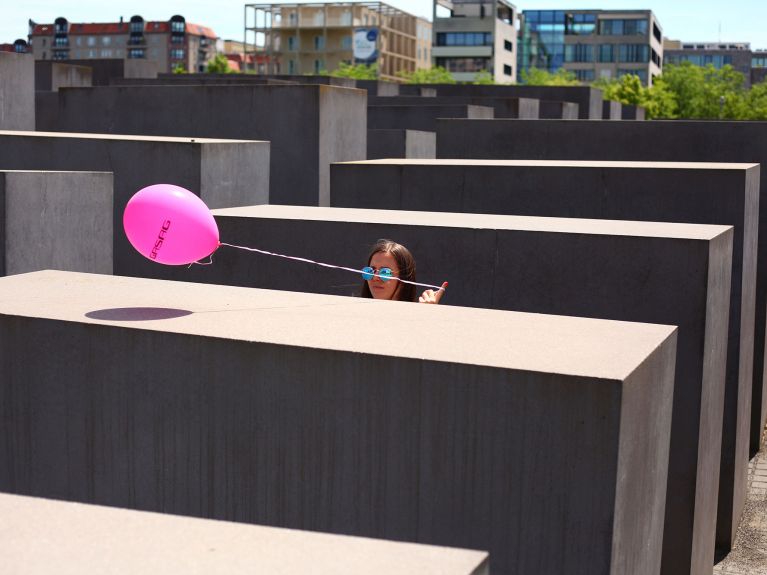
475, 36
735, 54
311, 38
19, 46
171, 43
592, 44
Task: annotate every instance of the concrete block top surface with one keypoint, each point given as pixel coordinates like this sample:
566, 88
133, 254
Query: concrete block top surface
581, 347
480, 221
557, 163
43, 536
125, 137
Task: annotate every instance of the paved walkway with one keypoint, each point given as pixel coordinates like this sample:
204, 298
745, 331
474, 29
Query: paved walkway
749, 554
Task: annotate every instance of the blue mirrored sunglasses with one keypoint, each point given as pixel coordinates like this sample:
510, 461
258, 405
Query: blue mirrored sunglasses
384, 273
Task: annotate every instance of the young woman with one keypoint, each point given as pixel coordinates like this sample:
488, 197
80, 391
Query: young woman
389, 261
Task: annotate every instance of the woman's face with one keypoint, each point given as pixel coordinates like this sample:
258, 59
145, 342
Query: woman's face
379, 288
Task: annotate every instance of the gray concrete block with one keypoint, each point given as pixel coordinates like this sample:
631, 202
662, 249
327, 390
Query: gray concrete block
725, 194
223, 173
201, 80
44, 536
296, 410
401, 144
692, 141
378, 87
589, 99
50, 76
17, 91
308, 126
55, 220
629, 112
503, 107
596, 268
421, 117
611, 110
105, 69
550, 110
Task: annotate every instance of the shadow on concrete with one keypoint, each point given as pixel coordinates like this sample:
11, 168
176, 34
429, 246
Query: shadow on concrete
136, 313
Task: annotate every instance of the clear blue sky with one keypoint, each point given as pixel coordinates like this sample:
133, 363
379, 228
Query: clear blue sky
689, 20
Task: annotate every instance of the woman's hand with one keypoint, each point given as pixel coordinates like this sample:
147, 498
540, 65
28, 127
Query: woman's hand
431, 296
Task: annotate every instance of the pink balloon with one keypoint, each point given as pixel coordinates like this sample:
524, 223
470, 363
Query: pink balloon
170, 225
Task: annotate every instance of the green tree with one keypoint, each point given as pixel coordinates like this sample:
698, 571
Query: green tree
539, 77
433, 75
219, 65
356, 71
484, 77
706, 92
179, 69
756, 102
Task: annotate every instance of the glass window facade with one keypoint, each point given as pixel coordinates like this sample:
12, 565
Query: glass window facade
579, 53
759, 62
641, 73
607, 53
623, 27
580, 24
464, 39
633, 53
584, 75
464, 64
717, 60
542, 43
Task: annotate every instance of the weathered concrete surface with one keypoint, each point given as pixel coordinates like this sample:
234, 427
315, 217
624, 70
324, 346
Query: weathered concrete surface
308, 126
40, 536
659, 191
701, 141
223, 173
611, 110
549, 110
55, 220
629, 112
50, 76
503, 107
421, 117
378, 87
589, 99
298, 410
594, 268
106, 69
17, 91
401, 144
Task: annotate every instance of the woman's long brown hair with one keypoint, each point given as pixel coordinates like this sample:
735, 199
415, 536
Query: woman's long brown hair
405, 263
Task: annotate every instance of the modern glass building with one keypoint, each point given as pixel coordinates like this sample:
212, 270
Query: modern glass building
735, 54
592, 44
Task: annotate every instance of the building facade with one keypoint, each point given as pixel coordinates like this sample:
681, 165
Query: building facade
736, 54
19, 47
475, 36
172, 44
593, 44
313, 38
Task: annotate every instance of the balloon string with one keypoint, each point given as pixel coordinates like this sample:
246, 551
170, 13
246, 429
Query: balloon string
308, 261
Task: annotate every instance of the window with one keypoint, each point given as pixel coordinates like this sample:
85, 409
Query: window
507, 46
623, 27
137, 27
134, 53
579, 53
346, 42
106, 53
106, 40
580, 24
177, 54
318, 66
292, 43
633, 53
291, 67
319, 42
584, 75
759, 62
175, 40
507, 70
464, 39
606, 53
91, 41
464, 64
177, 26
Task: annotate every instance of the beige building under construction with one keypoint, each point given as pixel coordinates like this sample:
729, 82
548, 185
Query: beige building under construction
311, 38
